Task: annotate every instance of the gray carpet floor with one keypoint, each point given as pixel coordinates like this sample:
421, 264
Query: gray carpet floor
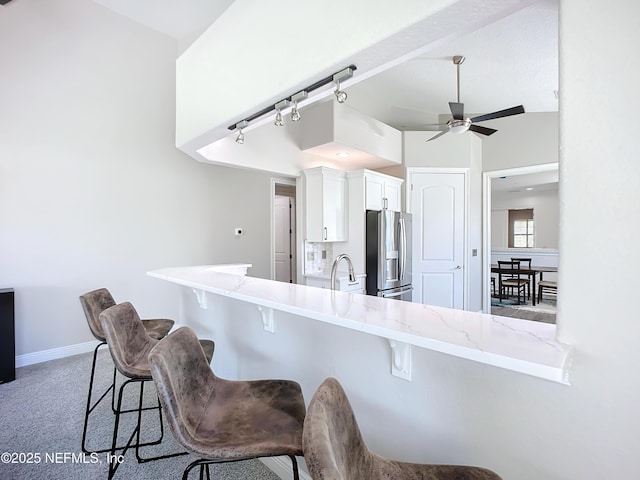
41, 420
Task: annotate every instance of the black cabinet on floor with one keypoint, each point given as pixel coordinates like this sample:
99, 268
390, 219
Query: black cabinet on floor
7, 336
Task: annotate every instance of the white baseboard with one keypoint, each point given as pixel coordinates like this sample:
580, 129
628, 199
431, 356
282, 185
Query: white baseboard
55, 353
61, 352
281, 466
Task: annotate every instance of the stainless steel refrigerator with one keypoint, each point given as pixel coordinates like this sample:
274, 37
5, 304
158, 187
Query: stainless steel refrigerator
388, 254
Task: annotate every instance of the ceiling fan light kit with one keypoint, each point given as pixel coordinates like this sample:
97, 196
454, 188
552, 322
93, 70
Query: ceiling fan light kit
458, 124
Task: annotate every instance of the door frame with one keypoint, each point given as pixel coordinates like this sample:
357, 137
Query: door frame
486, 220
294, 247
465, 255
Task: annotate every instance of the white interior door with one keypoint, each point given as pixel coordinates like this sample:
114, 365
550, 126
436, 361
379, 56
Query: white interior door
438, 204
282, 244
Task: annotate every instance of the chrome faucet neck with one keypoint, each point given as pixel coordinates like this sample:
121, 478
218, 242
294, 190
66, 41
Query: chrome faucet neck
334, 269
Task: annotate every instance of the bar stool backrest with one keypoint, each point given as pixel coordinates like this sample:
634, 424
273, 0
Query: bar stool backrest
94, 303
184, 381
128, 341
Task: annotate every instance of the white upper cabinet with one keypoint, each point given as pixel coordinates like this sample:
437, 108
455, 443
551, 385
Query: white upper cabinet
326, 205
381, 192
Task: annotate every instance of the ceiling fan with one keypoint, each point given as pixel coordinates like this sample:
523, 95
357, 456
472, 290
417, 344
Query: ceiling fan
458, 124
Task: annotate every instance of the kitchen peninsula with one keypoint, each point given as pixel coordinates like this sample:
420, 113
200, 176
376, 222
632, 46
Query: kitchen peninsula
231, 301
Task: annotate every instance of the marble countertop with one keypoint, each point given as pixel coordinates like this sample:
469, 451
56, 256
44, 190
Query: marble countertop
520, 345
326, 274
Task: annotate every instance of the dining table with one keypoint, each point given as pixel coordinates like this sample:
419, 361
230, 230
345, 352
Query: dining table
531, 273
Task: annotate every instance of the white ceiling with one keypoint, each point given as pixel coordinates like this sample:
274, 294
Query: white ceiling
539, 181
511, 62
177, 18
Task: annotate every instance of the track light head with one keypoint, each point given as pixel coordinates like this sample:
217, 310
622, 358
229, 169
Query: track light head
239, 127
341, 95
279, 122
295, 113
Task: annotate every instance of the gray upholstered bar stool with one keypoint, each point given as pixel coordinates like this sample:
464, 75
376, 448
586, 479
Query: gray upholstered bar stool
334, 448
130, 344
94, 303
223, 420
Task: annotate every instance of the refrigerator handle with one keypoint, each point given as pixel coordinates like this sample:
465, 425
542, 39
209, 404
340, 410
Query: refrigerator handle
398, 293
403, 247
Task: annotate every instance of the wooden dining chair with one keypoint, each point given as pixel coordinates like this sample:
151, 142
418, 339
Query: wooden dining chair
509, 279
525, 263
546, 285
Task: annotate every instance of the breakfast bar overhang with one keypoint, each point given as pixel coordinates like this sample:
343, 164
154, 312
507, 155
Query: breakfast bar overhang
519, 345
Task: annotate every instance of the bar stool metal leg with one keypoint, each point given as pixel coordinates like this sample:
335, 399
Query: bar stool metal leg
114, 463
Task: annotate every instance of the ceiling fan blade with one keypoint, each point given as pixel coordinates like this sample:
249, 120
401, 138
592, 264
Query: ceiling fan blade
482, 130
507, 112
438, 135
457, 110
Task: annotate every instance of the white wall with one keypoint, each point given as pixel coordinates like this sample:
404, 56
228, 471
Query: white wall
93, 191
545, 211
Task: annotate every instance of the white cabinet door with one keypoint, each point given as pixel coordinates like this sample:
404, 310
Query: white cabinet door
382, 192
373, 192
333, 208
392, 195
326, 210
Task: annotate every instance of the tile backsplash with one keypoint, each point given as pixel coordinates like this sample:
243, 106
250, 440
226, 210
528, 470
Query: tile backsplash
318, 257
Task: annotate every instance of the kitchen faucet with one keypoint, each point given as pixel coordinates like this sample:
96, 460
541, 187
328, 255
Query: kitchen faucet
334, 269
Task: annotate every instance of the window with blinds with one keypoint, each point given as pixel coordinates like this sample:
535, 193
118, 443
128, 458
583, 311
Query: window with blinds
521, 228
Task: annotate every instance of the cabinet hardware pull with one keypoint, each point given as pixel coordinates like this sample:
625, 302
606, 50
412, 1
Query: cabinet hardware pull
325, 233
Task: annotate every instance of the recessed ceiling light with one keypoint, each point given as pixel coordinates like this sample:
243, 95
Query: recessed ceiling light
529, 188
342, 154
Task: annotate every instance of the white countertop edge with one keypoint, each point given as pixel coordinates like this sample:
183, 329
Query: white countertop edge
553, 367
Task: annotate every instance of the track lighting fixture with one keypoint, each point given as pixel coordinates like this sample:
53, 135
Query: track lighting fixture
295, 113
279, 122
341, 95
240, 126
293, 100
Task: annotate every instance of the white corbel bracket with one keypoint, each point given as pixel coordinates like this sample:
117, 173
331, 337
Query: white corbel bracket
201, 296
400, 359
267, 318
